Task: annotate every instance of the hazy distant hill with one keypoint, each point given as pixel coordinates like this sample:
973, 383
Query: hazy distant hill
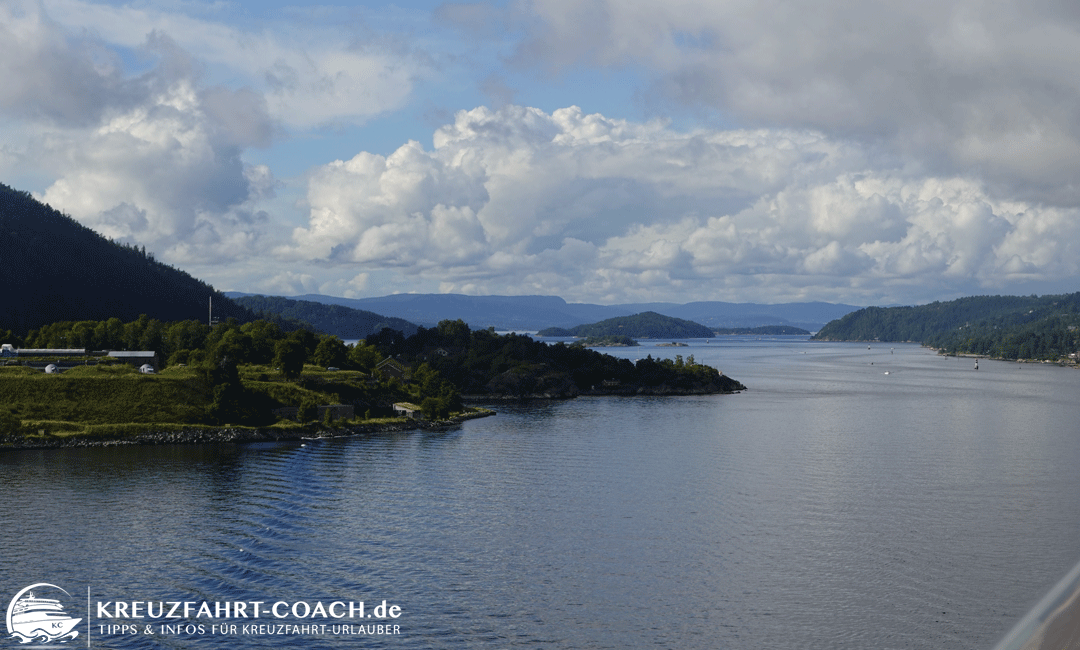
510, 313
531, 313
806, 315
343, 322
764, 330
649, 325
53, 268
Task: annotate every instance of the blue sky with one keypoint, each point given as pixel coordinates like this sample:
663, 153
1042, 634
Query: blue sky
600, 150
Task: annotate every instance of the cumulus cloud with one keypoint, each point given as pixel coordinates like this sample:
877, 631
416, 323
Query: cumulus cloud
957, 86
49, 77
289, 283
887, 152
140, 116
407, 209
154, 158
314, 76
593, 208
166, 173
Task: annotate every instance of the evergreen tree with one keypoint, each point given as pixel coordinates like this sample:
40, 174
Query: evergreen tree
289, 355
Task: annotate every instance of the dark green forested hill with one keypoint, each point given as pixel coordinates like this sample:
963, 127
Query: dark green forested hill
646, 325
1008, 327
481, 362
53, 268
340, 321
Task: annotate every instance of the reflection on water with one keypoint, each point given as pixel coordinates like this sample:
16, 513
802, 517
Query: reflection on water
830, 506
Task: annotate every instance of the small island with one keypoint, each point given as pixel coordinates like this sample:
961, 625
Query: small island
646, 325
611, 341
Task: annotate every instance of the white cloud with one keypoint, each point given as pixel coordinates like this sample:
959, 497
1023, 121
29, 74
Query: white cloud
895, 152
521, 201
288, 283
354, 287
161, 174
309, 74
111, 112
49, 77
953, 85
408, 209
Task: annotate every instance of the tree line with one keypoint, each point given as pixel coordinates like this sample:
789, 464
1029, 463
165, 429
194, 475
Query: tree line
481, 362
194, 342
1006, 327
442, 363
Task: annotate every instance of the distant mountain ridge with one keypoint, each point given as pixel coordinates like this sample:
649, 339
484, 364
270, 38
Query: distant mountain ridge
52, 268
532, 313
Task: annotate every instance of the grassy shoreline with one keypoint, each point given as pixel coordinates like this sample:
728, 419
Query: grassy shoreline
115, 404
104, 435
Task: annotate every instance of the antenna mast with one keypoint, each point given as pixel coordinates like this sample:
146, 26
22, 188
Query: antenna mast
211, 321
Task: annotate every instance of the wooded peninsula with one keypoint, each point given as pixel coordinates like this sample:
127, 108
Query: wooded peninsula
257, 380
1045, 328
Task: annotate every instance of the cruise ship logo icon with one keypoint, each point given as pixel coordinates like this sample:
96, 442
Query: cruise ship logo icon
31, 616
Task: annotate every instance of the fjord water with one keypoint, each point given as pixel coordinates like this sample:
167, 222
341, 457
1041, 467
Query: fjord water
851, 498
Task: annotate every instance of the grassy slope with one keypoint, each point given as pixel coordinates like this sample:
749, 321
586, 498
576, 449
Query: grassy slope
118, 402
105, 396
91, 400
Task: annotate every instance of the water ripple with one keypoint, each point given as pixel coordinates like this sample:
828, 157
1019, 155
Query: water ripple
827, 507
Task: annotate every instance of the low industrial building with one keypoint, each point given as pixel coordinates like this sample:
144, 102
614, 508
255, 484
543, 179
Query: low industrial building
68, 357
136, 358
8, 351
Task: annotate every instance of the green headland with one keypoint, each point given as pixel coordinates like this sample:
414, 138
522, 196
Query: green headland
261, 381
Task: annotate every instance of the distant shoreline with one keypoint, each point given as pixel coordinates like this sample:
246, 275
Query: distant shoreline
1063, 362
972, 355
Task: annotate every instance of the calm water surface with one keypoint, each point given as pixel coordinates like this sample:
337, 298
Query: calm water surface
830, 506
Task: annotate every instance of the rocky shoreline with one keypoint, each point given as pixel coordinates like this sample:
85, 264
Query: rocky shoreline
731, 387
197, 435
206, 434
610, 392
